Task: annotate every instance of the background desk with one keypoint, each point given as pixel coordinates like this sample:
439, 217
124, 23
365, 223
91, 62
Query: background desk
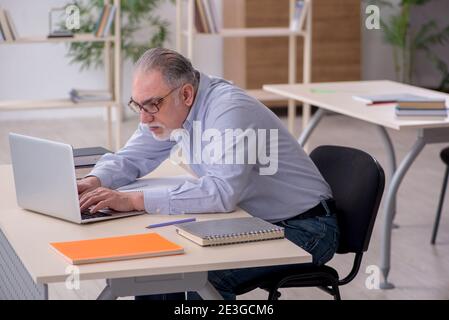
28, 264
337, 97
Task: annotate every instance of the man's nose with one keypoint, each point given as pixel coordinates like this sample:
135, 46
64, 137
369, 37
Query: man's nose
145, 117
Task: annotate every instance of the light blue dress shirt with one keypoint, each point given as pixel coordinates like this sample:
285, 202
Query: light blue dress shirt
295, 186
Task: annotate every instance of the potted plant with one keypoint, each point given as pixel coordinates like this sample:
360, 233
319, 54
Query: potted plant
407, 42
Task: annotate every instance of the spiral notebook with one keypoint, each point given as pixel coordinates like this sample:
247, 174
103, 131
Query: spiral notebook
227, 231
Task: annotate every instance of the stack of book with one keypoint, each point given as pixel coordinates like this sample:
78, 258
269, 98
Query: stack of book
422, 109
205, 16
86, 158
81, 95
296, 24
8, 30
104, 22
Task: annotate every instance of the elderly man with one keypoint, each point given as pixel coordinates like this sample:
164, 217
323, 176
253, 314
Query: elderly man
172, 97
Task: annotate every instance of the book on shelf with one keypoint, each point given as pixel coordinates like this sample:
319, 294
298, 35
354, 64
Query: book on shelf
205, 16
107, 28
116, 248
388, 98
104, 22
100, 18
429, 103
85, 159
2, 35
61, 34
421, 118
88, 156
229, 231
202, 15
296, 24
82, 171
82, 95
214, 15
7, 26
198, 22
421, 114
209, 17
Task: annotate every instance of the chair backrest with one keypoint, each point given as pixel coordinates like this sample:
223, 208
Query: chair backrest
357, 182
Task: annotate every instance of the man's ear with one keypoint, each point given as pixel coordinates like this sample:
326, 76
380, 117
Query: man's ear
188, 94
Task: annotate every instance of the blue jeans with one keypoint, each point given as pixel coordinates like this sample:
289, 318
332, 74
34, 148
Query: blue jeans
317, 235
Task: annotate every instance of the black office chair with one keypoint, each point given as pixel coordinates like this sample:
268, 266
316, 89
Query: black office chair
357, 182
445, 157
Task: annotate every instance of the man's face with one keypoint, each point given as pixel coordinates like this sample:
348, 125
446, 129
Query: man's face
149, 88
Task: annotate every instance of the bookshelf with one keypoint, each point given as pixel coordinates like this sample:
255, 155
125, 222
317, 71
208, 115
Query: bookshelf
112, 66
75, 38
188, 33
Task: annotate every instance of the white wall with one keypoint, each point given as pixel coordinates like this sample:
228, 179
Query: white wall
41, 71
377, 60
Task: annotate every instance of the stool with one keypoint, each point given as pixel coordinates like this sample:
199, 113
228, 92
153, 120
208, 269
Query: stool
445, 157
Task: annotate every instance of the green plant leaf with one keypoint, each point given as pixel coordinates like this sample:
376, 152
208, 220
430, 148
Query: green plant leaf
135, 15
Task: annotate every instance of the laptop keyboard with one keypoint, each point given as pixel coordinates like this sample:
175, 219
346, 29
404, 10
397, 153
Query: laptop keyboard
86, 216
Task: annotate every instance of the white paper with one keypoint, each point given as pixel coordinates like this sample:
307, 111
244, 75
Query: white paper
149, 183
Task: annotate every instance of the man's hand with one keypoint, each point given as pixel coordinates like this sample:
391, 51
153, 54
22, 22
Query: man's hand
101, 198
88, 184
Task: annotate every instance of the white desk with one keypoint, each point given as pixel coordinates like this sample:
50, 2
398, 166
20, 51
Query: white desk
337, 97
29, 264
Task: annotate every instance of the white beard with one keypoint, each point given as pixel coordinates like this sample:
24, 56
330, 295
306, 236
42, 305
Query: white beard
164, 136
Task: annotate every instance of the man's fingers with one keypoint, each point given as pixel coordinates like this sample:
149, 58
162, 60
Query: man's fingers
100, 205
90, 193
84, 190
86, 196
92, 201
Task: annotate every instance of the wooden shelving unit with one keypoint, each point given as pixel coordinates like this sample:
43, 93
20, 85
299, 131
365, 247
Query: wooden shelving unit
87, 37
190, 33
252, 32
112, 63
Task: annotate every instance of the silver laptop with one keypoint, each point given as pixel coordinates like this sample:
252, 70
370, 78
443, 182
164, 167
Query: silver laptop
45, 181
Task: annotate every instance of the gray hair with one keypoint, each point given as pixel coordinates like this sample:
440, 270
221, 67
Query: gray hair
174, 67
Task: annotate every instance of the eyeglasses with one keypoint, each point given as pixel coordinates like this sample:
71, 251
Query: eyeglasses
151, 105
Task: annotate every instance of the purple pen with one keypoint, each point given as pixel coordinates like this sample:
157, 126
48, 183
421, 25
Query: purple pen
169, 223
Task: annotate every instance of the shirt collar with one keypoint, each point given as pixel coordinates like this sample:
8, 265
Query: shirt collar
199, 100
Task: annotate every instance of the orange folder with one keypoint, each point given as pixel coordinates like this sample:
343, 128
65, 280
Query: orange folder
116, 248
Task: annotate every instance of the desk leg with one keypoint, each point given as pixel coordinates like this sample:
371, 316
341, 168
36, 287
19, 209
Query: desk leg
208, 292
45, 289
107, 293
391, 161
145, 285
302, 140
389, 208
